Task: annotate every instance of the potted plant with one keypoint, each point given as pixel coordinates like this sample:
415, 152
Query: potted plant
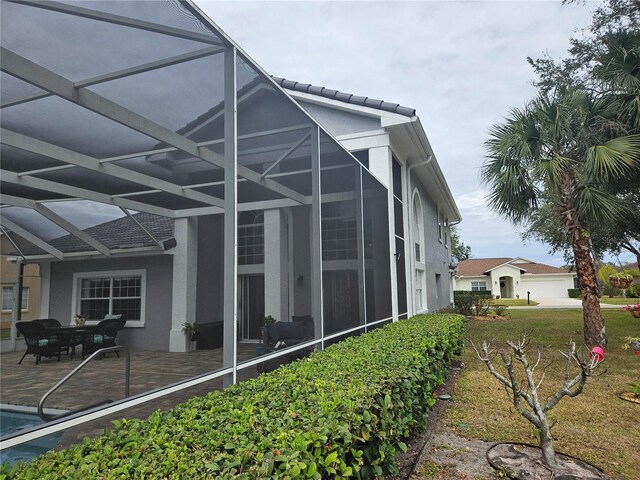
634, 310
264, 321
632, 343
620, 280
80, 319
190, 330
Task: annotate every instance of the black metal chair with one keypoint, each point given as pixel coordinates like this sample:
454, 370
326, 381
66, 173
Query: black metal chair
104, 335
39, 342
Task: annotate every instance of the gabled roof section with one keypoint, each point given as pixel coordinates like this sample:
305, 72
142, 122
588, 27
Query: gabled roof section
345, 97
118, 234
476, 267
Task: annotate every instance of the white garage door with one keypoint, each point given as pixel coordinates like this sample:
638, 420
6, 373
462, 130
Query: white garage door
545, 288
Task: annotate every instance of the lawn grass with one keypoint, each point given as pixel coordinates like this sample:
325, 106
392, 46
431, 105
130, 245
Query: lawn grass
515, 302
619, 300
595, 426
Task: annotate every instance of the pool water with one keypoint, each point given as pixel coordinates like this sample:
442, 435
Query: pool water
12, 421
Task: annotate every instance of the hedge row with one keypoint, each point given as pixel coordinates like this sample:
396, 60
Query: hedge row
339, 413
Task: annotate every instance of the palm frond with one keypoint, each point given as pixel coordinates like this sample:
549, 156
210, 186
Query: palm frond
594, 206
614, 159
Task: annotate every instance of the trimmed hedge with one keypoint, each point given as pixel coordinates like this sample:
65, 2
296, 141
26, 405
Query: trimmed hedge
573, 292
339, 413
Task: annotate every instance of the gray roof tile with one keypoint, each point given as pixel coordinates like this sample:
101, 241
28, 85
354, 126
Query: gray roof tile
115, 234
345, 97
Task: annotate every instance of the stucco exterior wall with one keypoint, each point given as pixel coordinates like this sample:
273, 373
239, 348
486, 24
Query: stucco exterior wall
539, 285
437, 251
338, 122
159, 271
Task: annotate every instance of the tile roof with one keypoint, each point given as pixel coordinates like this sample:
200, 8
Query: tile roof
345, 97
116, 234
476, 267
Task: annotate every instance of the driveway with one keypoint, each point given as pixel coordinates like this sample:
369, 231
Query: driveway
561, 303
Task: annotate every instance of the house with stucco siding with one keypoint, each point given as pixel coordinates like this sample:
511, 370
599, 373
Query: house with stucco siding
513, 278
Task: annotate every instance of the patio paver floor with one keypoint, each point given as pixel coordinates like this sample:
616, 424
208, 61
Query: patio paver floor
26, 383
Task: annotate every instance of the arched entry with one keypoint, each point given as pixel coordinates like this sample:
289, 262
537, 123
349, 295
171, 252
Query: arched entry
506, 287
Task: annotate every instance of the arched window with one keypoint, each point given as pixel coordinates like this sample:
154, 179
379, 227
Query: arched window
418, 254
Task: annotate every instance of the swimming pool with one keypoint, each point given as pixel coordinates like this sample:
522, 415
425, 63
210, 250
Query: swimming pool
11, 421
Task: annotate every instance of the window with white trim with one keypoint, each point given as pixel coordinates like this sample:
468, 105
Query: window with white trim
251, 238
7, 299
440, 226
418, 253
446, 232
110, 293
479, 286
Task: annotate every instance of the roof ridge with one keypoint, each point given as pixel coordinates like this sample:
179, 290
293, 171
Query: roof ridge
344, 97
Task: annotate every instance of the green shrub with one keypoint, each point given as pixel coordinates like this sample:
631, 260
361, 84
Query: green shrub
501, 310
574, 292
610, 291
343, 412
633, 291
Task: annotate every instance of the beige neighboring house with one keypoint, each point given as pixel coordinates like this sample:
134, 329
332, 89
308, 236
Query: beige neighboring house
513, 278
30, 288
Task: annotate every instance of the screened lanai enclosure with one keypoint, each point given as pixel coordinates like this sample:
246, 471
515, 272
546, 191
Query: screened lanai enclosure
152, 169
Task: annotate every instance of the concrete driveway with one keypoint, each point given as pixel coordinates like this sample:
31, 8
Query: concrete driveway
561, 303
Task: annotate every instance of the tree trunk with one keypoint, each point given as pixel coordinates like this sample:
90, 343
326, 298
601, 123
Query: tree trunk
594, 333
546, 445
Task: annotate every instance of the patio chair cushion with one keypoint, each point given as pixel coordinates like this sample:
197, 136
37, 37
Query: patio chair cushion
43, 342
102, 338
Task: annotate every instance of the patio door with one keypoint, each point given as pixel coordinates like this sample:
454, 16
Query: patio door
250, 305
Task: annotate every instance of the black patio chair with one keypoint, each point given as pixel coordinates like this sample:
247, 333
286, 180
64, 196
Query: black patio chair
104, 335
51, 324
39, 342
280, 335
48, 322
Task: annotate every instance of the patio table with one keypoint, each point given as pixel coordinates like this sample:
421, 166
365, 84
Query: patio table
72, 335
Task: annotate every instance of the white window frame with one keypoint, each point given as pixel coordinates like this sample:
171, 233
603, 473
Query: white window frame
440, 226
446, 232
25, 299
418, 237
79, 276
478, 289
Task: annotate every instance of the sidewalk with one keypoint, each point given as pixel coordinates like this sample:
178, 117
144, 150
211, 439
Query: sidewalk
544, 303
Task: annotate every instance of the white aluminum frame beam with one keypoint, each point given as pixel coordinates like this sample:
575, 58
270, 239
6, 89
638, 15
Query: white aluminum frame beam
286, 154
147, 232
122, 21
82, 193
127, 72
30, 144
173, 149
316, 236
230, 294
6, 234
57, 219
36, 75
27, 235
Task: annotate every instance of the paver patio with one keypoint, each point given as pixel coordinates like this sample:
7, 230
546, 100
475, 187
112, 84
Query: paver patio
26, 383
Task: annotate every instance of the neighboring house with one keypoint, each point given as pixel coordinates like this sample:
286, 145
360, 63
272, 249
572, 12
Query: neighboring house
30, 307
138, 279
513, 278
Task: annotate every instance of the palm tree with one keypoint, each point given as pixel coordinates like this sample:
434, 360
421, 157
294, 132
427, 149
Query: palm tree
565, 148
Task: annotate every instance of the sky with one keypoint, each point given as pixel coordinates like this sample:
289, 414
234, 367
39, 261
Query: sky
462, 65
